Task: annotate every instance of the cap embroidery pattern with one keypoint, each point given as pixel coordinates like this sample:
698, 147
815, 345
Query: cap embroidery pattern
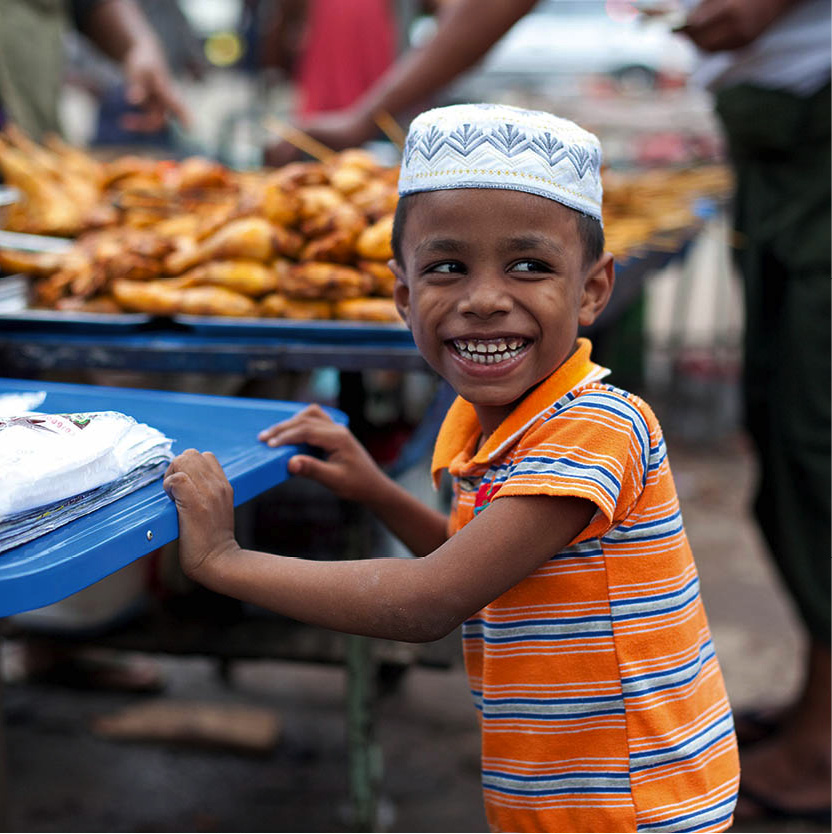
497, 146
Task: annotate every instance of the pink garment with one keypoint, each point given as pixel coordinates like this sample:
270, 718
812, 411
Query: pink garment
349, 44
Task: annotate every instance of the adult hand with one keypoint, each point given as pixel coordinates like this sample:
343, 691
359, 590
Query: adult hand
337, 131
205, 502
347, 468
716, 25
150, 88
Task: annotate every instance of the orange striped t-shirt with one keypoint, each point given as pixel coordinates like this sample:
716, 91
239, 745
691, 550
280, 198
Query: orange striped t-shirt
601, 699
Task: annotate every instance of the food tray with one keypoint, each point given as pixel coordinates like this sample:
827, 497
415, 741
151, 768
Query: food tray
297, 330
68, 559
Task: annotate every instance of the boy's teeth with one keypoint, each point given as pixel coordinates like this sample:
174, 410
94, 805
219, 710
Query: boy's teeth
488, 353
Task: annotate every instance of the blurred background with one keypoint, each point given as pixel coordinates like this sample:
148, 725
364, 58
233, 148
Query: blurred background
676, 340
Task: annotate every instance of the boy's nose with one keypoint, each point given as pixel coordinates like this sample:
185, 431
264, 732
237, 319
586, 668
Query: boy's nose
485, 296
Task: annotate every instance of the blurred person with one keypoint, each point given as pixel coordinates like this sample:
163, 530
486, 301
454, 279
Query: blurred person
334, 50
767, 63
31, 61
183, 55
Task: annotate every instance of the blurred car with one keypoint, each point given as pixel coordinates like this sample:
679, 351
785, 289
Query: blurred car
562, 39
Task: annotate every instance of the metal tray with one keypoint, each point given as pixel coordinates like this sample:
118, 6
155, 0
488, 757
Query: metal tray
14, 313
68, 559
295, 330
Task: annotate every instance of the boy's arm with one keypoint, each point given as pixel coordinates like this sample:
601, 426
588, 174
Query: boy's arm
349, 471
414, 600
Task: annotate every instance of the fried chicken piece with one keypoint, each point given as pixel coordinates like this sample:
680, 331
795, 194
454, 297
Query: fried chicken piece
329, 281
337, 247
377, 199
317, 199
158, 298
75, 159
199, 172
367, 309
47, 208
253, 238
30, 263
132, 166
98, 304
341, 217
374, 242
351, 170
278, 204
273, 305
277, 305
297, 174
250, 278
85, 192
333, 234
48, 291
216, 301
384, 279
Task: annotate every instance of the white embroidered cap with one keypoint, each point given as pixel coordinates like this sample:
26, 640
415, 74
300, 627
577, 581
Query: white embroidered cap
497, 146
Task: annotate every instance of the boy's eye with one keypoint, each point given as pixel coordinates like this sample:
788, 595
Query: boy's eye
530, 266
445, 268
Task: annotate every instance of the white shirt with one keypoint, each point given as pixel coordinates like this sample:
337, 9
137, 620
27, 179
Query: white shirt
793, 54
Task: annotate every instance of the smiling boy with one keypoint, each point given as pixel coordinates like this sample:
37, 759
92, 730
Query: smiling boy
587, 648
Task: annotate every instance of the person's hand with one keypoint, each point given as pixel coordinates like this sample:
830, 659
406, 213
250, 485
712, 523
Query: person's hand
347, 469
205, 502
716, 25
337, 131
151, 89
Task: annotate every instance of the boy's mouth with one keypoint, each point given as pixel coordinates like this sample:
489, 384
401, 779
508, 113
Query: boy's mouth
489, 351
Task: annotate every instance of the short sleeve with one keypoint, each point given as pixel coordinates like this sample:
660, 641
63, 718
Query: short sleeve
595, 446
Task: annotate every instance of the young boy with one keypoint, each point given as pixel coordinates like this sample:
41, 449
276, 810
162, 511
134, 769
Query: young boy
601, 700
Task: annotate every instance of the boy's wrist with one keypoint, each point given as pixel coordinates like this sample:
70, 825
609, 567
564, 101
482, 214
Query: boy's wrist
212, 565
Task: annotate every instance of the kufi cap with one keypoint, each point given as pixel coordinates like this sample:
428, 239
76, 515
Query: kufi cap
497, 146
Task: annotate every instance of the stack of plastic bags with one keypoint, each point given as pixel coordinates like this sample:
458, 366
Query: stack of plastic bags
55, 468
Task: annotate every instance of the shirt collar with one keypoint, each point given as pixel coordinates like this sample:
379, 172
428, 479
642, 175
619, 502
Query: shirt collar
460, 428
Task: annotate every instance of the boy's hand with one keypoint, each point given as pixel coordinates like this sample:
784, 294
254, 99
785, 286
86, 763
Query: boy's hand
205, 503
348, 470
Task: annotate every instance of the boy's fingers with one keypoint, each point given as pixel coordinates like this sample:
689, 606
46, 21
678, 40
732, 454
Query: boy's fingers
310, 413
309, 467
325, 435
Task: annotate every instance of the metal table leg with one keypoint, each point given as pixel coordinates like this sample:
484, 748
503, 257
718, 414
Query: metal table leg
365, 763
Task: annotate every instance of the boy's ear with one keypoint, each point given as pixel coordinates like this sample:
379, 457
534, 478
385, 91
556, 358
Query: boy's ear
401, 292
598, 285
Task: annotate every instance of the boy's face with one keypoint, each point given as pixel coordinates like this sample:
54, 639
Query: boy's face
493, 288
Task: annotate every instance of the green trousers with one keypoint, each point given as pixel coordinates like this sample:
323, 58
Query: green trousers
780, 147
31, 63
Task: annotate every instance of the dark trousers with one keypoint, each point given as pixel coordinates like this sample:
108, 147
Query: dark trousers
780, 147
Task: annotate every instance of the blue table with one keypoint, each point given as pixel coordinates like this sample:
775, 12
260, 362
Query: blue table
74, 556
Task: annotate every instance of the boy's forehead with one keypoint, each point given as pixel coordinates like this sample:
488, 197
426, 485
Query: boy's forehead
462, 214
495, 146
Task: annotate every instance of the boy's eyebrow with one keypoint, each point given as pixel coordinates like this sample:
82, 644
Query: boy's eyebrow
440, 244
520, 243
523, 243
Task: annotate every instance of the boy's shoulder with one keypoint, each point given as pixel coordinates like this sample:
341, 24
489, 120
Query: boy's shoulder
601, 397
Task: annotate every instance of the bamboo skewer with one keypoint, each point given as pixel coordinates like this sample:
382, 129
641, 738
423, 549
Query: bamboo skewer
302, 141
391, 128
